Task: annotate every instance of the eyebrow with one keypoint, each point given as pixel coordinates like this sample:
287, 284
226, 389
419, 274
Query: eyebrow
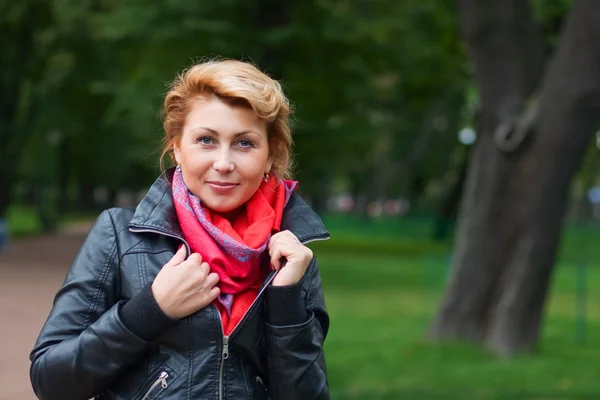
217, 133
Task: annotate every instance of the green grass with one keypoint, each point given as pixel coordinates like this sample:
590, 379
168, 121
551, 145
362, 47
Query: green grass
376, 345
381, 305
22, 221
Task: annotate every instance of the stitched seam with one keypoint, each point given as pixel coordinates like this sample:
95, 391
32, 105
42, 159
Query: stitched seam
160, 227
144, 270
218, 350
190, 359
130, 248
118, 267
155, 206
304, 218
255, 345
112, 221
140, 272
149, 250
99, 284
245, 378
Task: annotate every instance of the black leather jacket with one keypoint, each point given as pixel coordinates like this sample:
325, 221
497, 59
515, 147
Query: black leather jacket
86, 350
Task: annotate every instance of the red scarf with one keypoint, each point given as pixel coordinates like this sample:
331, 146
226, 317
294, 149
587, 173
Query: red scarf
233, 251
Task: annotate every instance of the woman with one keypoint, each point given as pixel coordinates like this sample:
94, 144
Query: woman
205, 290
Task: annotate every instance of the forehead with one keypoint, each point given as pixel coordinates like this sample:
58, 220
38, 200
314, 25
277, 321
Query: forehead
222, 116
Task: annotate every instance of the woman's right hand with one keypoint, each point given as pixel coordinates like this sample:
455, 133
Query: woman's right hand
183, 287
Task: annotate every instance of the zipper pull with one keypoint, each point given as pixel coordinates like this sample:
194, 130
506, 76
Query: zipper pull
163, 379
225, 347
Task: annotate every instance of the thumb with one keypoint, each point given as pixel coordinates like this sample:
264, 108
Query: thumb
179, 256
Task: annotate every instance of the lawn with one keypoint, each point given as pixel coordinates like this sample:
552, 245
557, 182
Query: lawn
381, 306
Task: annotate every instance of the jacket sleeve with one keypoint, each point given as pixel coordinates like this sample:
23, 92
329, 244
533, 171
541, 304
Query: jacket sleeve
84, 345
295, 357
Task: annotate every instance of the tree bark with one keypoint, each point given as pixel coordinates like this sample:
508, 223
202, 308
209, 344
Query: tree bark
514, 200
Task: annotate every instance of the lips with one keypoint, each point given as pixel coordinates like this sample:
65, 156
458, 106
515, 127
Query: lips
222, 186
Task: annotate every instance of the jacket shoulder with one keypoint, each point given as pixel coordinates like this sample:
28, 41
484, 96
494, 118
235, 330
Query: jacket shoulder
301, 219
120, 217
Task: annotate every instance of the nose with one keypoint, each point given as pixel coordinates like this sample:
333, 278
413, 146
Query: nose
223, 163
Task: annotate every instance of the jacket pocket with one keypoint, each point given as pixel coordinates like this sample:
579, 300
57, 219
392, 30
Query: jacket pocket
157, 383
260, 389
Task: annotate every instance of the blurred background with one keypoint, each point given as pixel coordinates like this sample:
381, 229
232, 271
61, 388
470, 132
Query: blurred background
451, 147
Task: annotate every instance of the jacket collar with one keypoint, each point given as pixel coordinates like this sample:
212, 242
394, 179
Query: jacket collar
156, 212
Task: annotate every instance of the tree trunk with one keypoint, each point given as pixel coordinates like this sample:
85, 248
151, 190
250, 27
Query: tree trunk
514, 200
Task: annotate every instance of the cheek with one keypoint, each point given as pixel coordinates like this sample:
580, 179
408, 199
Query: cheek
256, 165
255, 171
194, 161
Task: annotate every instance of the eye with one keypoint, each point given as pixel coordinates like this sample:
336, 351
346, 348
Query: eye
205, 140
245, 143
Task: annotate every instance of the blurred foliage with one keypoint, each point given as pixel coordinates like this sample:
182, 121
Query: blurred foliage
366, 78
380, 91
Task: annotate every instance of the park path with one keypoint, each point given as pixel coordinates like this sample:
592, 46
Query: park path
31, 271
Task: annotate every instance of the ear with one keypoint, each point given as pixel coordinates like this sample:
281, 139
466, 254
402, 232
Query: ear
177, 153
269, 165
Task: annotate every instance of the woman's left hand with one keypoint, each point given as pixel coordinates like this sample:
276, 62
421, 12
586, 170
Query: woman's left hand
286, 245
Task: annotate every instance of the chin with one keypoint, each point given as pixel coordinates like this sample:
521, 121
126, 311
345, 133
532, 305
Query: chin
223, 209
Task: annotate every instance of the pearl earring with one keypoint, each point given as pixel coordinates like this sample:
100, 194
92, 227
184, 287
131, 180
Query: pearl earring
266, 177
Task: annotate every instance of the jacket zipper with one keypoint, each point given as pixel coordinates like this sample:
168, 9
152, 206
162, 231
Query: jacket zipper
162, 380
224, 356
225, 350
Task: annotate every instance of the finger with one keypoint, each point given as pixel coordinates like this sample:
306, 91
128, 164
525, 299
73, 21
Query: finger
288, 239
273, 240
203, 270
178, 257
281, 240
212, 279
214, 293
293, 238
194, 259
275, 258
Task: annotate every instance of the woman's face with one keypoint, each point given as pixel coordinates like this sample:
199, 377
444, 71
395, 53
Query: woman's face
223, 153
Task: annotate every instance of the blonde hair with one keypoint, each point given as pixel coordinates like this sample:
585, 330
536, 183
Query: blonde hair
238, 83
